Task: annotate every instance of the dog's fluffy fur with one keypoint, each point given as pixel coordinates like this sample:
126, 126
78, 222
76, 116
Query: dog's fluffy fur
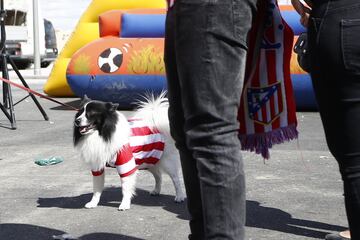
100, 131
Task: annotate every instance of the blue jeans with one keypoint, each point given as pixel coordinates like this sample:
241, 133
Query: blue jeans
334, 41
205, 54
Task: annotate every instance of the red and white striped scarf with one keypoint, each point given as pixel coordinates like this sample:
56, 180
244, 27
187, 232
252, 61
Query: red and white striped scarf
267, 111
145, 148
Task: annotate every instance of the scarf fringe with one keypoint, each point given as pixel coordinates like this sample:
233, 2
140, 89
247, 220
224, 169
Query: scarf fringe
260, 143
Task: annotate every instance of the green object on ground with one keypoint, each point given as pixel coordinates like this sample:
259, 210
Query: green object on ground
49, 161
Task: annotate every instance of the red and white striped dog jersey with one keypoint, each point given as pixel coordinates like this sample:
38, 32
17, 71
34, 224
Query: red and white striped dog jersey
145, 148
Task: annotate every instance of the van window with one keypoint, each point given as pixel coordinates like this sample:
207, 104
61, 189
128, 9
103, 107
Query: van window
15, 17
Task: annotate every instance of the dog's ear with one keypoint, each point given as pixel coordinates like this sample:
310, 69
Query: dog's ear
112, 107
84, 100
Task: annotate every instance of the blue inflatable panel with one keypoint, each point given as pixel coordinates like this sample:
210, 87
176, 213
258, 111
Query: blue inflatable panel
142, 25
123, 89
153, 25
304, 93
292, 18
126, 90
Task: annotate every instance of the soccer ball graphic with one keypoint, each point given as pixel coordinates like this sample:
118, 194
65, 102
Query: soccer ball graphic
110, 60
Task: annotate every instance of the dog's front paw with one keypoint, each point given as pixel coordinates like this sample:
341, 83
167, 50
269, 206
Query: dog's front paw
125, 205
91, 204
179, 199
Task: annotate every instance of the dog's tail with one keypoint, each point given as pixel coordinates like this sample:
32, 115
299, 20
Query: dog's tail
154, 111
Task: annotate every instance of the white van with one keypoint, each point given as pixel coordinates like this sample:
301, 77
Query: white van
19, 35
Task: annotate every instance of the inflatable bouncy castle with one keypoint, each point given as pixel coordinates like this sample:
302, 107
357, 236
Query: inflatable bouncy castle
86, 31
303, 90
125, 60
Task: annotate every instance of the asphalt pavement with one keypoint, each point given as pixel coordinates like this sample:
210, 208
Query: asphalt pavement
296, 195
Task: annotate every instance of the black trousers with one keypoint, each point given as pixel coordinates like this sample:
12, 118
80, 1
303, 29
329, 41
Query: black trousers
205, 54
334, 41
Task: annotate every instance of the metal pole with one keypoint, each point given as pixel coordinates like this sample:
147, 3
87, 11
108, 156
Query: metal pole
37, 64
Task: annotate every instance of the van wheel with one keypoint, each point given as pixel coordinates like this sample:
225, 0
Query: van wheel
45, 64
23, 65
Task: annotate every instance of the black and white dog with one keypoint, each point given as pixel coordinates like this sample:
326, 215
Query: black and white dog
104, 137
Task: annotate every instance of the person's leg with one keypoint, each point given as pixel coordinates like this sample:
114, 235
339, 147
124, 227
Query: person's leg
176, 119
336, 79
211, 53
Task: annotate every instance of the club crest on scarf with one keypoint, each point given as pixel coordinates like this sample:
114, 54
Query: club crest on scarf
267, 112
264, 103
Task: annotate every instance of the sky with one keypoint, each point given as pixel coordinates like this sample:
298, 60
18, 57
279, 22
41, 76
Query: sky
64, 14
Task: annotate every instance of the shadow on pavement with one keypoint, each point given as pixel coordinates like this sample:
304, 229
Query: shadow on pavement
257, 216
75, 104
277, 220
111, 197
24, 231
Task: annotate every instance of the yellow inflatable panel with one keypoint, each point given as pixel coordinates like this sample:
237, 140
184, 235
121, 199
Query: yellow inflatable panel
83, 34
86, 31
55, 85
